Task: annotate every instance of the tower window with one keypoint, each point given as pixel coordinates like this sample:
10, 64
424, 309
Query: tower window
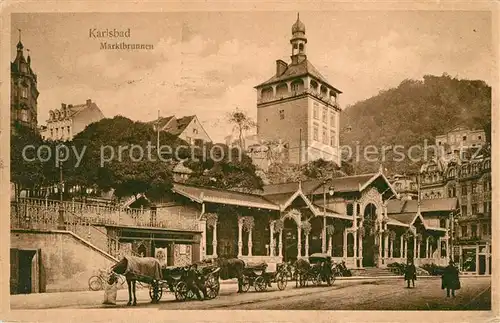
325, 136
282, 114
316, 110
301, 47
316, 133
195, 131
24, 92
295, 87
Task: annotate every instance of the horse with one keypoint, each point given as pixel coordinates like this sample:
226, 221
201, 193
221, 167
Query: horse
231, 268
301, 266
121, 268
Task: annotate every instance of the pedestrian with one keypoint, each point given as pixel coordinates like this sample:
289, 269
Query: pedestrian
410, 273
194, 282
450, 279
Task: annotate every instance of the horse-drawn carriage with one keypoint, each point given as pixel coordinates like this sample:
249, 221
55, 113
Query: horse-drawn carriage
170, 279
317, 270
257, 275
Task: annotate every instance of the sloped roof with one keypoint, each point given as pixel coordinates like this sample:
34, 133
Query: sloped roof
405, 218
162, 122
291, 187
182, 123
429, 205
214, 195
347, 183
300, 69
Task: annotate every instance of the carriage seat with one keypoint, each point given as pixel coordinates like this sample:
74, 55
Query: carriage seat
256, 266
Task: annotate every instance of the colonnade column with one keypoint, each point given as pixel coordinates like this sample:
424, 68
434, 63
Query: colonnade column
306, 247
386, 245
401, 247
240, 237
414, 246
250, 242
280, 244
214, 240
323, 236
427, 254
299, 242
391, 243
344, 245
271, 239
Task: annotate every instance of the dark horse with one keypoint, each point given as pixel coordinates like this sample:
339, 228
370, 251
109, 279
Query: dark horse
121, 267
230, 268
301, 267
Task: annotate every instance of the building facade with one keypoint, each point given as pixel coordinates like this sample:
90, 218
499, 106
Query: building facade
64, 123
299, 107
187, 128
469, 180
405, 186
461, 138
24, 92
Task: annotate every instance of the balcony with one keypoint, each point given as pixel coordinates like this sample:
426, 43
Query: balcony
282, 96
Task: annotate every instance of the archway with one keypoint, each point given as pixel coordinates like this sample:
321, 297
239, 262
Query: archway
290, 241
370, 249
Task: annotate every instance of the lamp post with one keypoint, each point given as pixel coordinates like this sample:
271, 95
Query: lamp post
330, 192
60, 219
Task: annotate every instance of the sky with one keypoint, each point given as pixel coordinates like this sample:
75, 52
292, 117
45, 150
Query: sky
207, 63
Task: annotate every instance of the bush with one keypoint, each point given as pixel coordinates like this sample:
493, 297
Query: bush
433, 269
397, 267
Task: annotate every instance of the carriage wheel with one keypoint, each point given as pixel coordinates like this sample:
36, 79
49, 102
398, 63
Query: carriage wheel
155, 291
331, 279
181, 291
316, 280
281, 281
245, 284
260, 284
95, 283
212, 286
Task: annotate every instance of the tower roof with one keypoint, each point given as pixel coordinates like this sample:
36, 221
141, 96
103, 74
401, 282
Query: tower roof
303, 68
298, 26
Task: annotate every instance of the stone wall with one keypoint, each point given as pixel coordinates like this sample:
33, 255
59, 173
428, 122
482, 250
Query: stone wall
67, 261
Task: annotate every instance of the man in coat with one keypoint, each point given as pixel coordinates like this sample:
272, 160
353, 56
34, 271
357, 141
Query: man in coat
410, 273
450, 279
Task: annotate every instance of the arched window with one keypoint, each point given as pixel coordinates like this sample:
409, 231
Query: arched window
267, 93
297, 85
281, 89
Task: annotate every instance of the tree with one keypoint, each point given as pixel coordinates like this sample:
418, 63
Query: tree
225, 168
316, 169
242, 122
131, 171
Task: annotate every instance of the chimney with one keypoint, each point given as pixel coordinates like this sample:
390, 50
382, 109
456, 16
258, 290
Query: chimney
63, 105
280, 67
89, 101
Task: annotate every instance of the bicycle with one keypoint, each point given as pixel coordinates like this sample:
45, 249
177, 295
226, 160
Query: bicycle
97, 282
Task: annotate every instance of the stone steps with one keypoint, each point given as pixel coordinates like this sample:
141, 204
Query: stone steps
372, 272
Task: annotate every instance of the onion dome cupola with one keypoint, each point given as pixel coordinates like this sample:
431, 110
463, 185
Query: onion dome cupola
298, 41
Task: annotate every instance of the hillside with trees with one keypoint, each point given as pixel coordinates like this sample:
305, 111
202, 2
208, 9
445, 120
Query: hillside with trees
415, 111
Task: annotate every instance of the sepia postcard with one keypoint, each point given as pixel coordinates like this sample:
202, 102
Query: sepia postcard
249, 162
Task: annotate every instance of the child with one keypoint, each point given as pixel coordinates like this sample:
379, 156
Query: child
110, 290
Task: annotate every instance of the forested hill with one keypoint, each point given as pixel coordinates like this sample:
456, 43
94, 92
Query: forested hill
414, 111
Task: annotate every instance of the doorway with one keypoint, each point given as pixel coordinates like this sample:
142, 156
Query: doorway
370, 249
290, 242
25, 271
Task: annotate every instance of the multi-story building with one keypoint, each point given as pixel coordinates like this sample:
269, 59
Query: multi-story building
405, 186
461, 138
299, 106
64, 123
187, 128
24, 92
469, 181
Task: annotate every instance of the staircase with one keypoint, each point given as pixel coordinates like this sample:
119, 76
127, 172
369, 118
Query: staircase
372, 272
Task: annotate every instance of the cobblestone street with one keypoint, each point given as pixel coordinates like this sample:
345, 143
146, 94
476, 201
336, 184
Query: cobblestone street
354, 294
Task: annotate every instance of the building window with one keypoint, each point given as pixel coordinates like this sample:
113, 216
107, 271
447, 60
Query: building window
474, 188
51, 133
474, 208
325, 136
57, 132
24, 115
464, 231
484, 229
464, 138
479, 137
332, 119
24, 92
442, 223
325, 115
69, 131
282, 114
316, 133
464, 190
195, 131
316, 111
188, 139
295, 87
464, 210
333, 138
486, 185
473, 231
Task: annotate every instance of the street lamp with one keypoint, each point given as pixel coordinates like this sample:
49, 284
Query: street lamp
60, 220
331, 191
